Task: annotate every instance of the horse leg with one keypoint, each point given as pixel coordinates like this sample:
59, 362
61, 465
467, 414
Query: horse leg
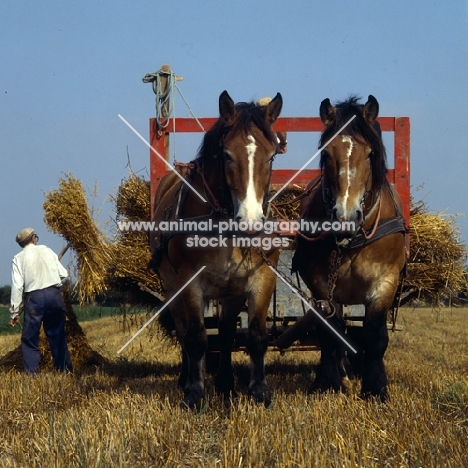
257, 345
194, 343
183, 377
355, 360
331, 373
375, 341
224, 381
173, 319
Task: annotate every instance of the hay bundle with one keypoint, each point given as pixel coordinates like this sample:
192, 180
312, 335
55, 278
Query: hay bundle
436, 266
131, 254
133, 199
81, 353
130, 269
286, 205
66, 213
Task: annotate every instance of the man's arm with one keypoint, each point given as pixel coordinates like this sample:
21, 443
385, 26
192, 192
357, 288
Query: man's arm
17, 287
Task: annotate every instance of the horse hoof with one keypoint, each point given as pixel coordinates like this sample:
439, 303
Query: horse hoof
224, 385
192, 398
322, 386
225, 389
227, 395
228, 399
190, 404
261, 394
381, 396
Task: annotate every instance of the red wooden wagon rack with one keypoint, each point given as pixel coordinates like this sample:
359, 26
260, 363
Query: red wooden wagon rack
399, 175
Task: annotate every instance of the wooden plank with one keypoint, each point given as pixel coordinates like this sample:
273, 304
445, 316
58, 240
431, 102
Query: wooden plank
283, 124
282, 176
402, 163
158, 168
399, 176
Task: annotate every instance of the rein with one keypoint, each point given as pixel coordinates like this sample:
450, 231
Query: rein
214, 201
326, 307
195, 168
377, 219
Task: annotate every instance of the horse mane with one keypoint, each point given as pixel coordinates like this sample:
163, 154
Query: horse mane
361, 131
248, 115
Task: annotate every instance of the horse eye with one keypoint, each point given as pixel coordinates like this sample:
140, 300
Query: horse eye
228, 157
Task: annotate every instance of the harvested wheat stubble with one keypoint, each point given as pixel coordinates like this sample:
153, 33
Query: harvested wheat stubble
67, 213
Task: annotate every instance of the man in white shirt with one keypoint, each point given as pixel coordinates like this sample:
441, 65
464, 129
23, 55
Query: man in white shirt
37, 274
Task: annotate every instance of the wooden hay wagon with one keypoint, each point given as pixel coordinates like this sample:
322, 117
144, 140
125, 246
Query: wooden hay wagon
286, 308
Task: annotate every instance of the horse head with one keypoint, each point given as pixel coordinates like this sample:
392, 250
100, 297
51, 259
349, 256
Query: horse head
353, 160
246, 147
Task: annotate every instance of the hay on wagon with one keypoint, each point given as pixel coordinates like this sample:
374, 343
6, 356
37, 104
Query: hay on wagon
129, 272
437, 262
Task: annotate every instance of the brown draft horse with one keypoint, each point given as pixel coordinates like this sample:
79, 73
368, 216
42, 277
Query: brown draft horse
232, 172
360, 267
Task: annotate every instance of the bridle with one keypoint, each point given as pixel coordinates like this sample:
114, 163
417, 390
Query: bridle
329, 200
220, 156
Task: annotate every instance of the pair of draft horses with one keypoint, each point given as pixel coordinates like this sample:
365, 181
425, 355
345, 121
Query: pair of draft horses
231, 172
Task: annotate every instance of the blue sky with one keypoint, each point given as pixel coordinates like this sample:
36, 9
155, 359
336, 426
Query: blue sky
67, 69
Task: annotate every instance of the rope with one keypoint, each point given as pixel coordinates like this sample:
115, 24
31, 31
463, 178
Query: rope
164, 101
190, 109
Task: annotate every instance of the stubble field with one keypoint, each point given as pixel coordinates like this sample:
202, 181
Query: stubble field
126, 413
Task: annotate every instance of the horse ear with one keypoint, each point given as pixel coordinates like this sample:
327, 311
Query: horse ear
370, 110
327, 112
227, 108
273, 109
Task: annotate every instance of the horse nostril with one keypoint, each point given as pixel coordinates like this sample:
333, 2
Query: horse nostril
334, 213
358, 215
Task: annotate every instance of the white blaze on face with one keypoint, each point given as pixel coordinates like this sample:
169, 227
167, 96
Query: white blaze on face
345, 171
346, 174
250, 207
